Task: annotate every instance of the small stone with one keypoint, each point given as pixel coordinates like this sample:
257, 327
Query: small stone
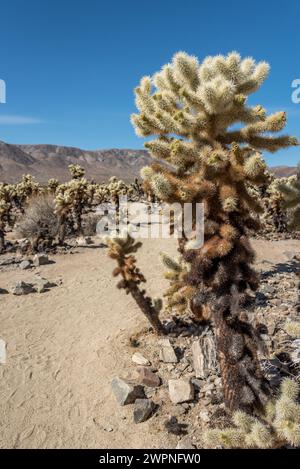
268, 289
143, 409
148, 378
208, 387
180, 390
218, 382
185, 443
108, 429
22, 288
186, 406
204, 416
272, 370
139, 359
126, 392
204, 356
43, 285
167, 353
24, 265
197, 383
40, 259
84, 241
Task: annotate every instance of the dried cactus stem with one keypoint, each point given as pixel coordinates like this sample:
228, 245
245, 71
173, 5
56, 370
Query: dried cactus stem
147, 309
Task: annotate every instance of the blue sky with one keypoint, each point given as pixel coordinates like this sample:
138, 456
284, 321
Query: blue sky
70, 66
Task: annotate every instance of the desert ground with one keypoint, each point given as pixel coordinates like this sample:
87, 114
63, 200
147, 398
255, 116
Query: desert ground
65, 345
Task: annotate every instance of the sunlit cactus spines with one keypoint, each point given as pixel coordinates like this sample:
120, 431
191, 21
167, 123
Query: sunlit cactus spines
76, 171
290, 190
277, 427
52, 185
7, 192
190, 108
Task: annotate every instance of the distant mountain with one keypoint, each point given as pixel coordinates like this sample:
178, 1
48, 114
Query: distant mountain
51, 161
283, 171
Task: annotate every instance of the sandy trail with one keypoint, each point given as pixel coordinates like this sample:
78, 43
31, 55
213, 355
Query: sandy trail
64, 347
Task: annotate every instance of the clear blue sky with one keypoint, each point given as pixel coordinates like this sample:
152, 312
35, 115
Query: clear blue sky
70, 66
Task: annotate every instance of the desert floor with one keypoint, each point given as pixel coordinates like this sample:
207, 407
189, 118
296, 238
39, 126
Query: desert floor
64, 346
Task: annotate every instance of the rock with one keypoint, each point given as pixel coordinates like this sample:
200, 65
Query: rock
84, 241
40, 259
208, 387
197, 383
143, 409
204, 356
272, 369
185, 443
295, 356
180, 390
108, 429
167, 353
24, 265
268, 289
204, 416
43, 285
139, 359
22, 288
126, 392
218, 381
148, 378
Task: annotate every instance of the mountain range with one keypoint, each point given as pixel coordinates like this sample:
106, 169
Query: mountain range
51, 161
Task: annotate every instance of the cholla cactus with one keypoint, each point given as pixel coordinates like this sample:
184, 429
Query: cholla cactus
279, 426
293, 328
290, 190
76, 171
291, 194
190, 108
52, 185
6, 206
179, 293
121, 249
71, 199
63, 207
25, 189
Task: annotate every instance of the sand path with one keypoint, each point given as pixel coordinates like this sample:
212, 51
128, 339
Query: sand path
65, 345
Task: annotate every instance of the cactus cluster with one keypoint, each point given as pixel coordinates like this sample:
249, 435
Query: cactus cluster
71, 200
13, 199
278, 426
210, 142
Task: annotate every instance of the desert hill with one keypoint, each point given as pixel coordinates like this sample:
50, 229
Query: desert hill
51, 161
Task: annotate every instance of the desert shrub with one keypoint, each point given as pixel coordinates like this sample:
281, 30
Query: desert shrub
39, 223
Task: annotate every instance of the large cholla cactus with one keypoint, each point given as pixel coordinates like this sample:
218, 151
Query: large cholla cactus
190, 108
71, 199
280, 425
121, 249
25, 189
